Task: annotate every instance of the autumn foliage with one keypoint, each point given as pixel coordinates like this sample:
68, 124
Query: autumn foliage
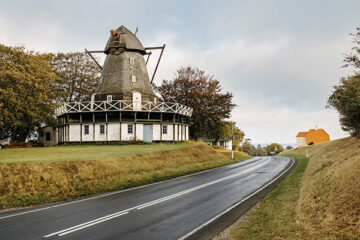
194, 88
33, 84
26, 92
345, 97
77, 76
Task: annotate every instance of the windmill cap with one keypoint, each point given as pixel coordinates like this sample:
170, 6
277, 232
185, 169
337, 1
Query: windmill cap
127, 40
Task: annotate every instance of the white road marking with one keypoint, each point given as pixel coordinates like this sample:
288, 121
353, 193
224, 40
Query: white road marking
232, 207
22, 213
116, 192
87, 224
144, 205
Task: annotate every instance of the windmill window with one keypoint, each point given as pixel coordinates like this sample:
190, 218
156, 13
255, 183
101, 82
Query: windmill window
86, 129
132, 61
102, 129
165, 129
133, 78
130, 128
48, 136
109, 98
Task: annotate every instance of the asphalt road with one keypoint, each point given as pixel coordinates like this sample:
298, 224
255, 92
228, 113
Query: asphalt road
175, 209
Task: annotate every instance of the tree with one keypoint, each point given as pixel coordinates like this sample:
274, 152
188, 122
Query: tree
289, 147
345, 97
193, 88
26, 92
238, 136
246, 146
259, 151
77, 76
220, 130
274, 148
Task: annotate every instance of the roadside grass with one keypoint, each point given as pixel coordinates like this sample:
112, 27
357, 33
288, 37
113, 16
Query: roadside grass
275, 216
237, 155
36, 180
329, 203
85, 152
320, 199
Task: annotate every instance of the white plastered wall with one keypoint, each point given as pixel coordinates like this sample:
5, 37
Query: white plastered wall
176, 132
87, 137
169, 135
124, 132
113, 131
140, 131
74, 133
156, 132
98, 136
229, 145
300, 141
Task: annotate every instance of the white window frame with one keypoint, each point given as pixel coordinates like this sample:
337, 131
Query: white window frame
165, 129
86, 130
130, 128
132, 61
102, 128
109, 98
133, 78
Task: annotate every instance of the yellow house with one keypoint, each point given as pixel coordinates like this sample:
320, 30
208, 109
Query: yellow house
313, 136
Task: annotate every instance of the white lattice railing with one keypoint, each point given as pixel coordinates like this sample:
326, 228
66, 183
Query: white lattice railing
121, 105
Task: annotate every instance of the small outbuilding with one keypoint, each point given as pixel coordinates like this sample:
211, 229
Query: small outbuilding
226, 143
313, 136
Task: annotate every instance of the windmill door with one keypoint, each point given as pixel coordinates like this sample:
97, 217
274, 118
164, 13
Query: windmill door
148, 133
137, 101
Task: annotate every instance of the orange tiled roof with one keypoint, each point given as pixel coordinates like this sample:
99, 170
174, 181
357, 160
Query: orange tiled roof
315, 136
301, 134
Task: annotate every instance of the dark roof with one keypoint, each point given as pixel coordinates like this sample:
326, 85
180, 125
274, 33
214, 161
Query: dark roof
127, 40
213, 139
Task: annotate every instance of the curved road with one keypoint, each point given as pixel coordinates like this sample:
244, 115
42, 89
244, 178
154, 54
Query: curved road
181, 208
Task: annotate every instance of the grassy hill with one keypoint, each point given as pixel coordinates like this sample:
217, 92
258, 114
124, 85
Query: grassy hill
39, 175
320, 199
85, 152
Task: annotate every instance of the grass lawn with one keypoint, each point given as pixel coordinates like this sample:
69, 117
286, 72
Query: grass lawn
85, 152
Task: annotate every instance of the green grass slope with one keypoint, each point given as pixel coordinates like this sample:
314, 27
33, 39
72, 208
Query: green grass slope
40, 175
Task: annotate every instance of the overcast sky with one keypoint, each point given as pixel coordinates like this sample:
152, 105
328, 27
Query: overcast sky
280, 59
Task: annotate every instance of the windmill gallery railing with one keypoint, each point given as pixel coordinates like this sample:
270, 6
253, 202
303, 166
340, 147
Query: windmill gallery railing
121, 105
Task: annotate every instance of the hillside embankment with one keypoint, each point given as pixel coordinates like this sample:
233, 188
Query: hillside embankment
320, 199
42, 175
329, 201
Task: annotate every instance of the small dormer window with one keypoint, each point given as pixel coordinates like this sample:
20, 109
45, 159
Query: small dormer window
133, 78
132, 61
109, 98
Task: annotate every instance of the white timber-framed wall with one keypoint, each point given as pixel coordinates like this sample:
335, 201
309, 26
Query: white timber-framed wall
169, 123
119, 132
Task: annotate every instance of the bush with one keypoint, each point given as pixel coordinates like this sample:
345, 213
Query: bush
346, 100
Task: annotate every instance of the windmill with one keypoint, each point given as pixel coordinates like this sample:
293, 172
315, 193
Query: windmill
124, 107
